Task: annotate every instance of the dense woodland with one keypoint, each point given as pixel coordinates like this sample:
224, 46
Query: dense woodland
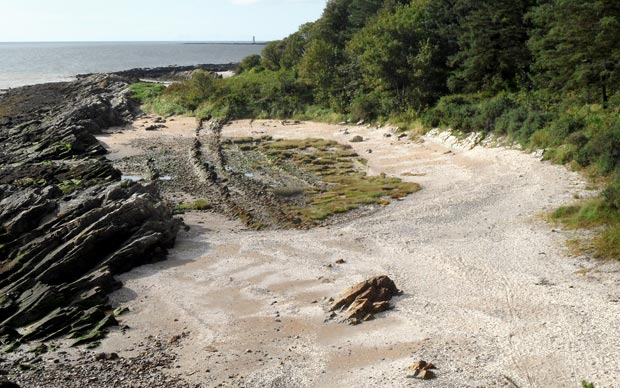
544, 73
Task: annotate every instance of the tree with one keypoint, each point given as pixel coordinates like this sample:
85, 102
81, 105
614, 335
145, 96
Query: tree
398, 57
492, 39
317, 68
577, 47
250, 62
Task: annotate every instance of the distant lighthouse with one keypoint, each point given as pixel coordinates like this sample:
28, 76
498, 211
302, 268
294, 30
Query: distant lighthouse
254, 40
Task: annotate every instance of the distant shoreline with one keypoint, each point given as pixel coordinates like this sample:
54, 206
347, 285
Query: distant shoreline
36, 63
136, 74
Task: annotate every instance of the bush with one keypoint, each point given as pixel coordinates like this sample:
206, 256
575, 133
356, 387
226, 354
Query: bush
489, 110
365, 107
146, 91
612, 194
250, 95
455, 111
249, 63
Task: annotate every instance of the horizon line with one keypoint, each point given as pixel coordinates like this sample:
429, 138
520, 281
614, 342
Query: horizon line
139, 41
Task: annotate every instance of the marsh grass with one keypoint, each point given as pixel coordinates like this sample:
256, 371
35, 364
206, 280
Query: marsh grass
340, 183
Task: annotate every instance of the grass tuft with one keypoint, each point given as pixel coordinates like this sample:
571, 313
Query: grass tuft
593, 213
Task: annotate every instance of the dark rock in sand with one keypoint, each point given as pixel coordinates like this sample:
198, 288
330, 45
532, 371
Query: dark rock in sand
7, 384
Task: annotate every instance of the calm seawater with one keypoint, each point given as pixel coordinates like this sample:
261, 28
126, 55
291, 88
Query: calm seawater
33, 63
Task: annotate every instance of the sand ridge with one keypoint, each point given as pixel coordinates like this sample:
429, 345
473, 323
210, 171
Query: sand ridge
490, 291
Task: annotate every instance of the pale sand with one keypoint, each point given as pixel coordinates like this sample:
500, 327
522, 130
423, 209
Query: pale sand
490, 290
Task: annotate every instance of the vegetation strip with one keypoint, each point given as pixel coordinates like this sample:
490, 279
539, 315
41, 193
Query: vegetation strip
544, 74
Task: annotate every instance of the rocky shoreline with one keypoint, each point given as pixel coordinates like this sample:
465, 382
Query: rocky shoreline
68, 223
168, 73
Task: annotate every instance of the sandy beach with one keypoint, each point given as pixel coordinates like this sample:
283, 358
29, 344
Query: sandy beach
491, 294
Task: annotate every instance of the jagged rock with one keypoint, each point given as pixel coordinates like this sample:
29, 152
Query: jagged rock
423, 370
365, 299
67, 223
64, 262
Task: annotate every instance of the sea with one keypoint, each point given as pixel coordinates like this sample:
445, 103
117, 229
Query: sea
33, 63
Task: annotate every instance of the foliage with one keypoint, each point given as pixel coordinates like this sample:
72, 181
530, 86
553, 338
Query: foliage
543, 73
251, 94
398, 59
576, 47
146, 91
249, 63
492, 55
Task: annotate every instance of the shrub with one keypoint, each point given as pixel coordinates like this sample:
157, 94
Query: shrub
455, 111
146, 91
489, 111
612, 194
365, 107
249, 63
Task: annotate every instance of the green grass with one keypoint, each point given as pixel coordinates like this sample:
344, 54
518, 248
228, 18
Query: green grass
593, 213
146, 91
586, 214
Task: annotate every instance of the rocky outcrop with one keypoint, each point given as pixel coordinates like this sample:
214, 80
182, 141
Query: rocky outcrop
61, 256
362, 301
169, 73
67, 223
59, 124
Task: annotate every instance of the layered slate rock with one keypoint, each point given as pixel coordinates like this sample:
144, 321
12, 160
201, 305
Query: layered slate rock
362, 301
67, 222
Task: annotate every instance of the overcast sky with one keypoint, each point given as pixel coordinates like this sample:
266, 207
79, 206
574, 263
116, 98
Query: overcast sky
158, 20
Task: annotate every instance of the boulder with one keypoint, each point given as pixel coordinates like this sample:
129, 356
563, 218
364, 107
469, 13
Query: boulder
362, 301
357, 139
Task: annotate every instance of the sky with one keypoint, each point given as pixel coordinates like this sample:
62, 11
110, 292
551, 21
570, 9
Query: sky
153, 20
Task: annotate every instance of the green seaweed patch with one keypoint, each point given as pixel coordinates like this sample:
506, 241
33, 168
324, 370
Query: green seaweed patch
70, 185
199, 204
97, 333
